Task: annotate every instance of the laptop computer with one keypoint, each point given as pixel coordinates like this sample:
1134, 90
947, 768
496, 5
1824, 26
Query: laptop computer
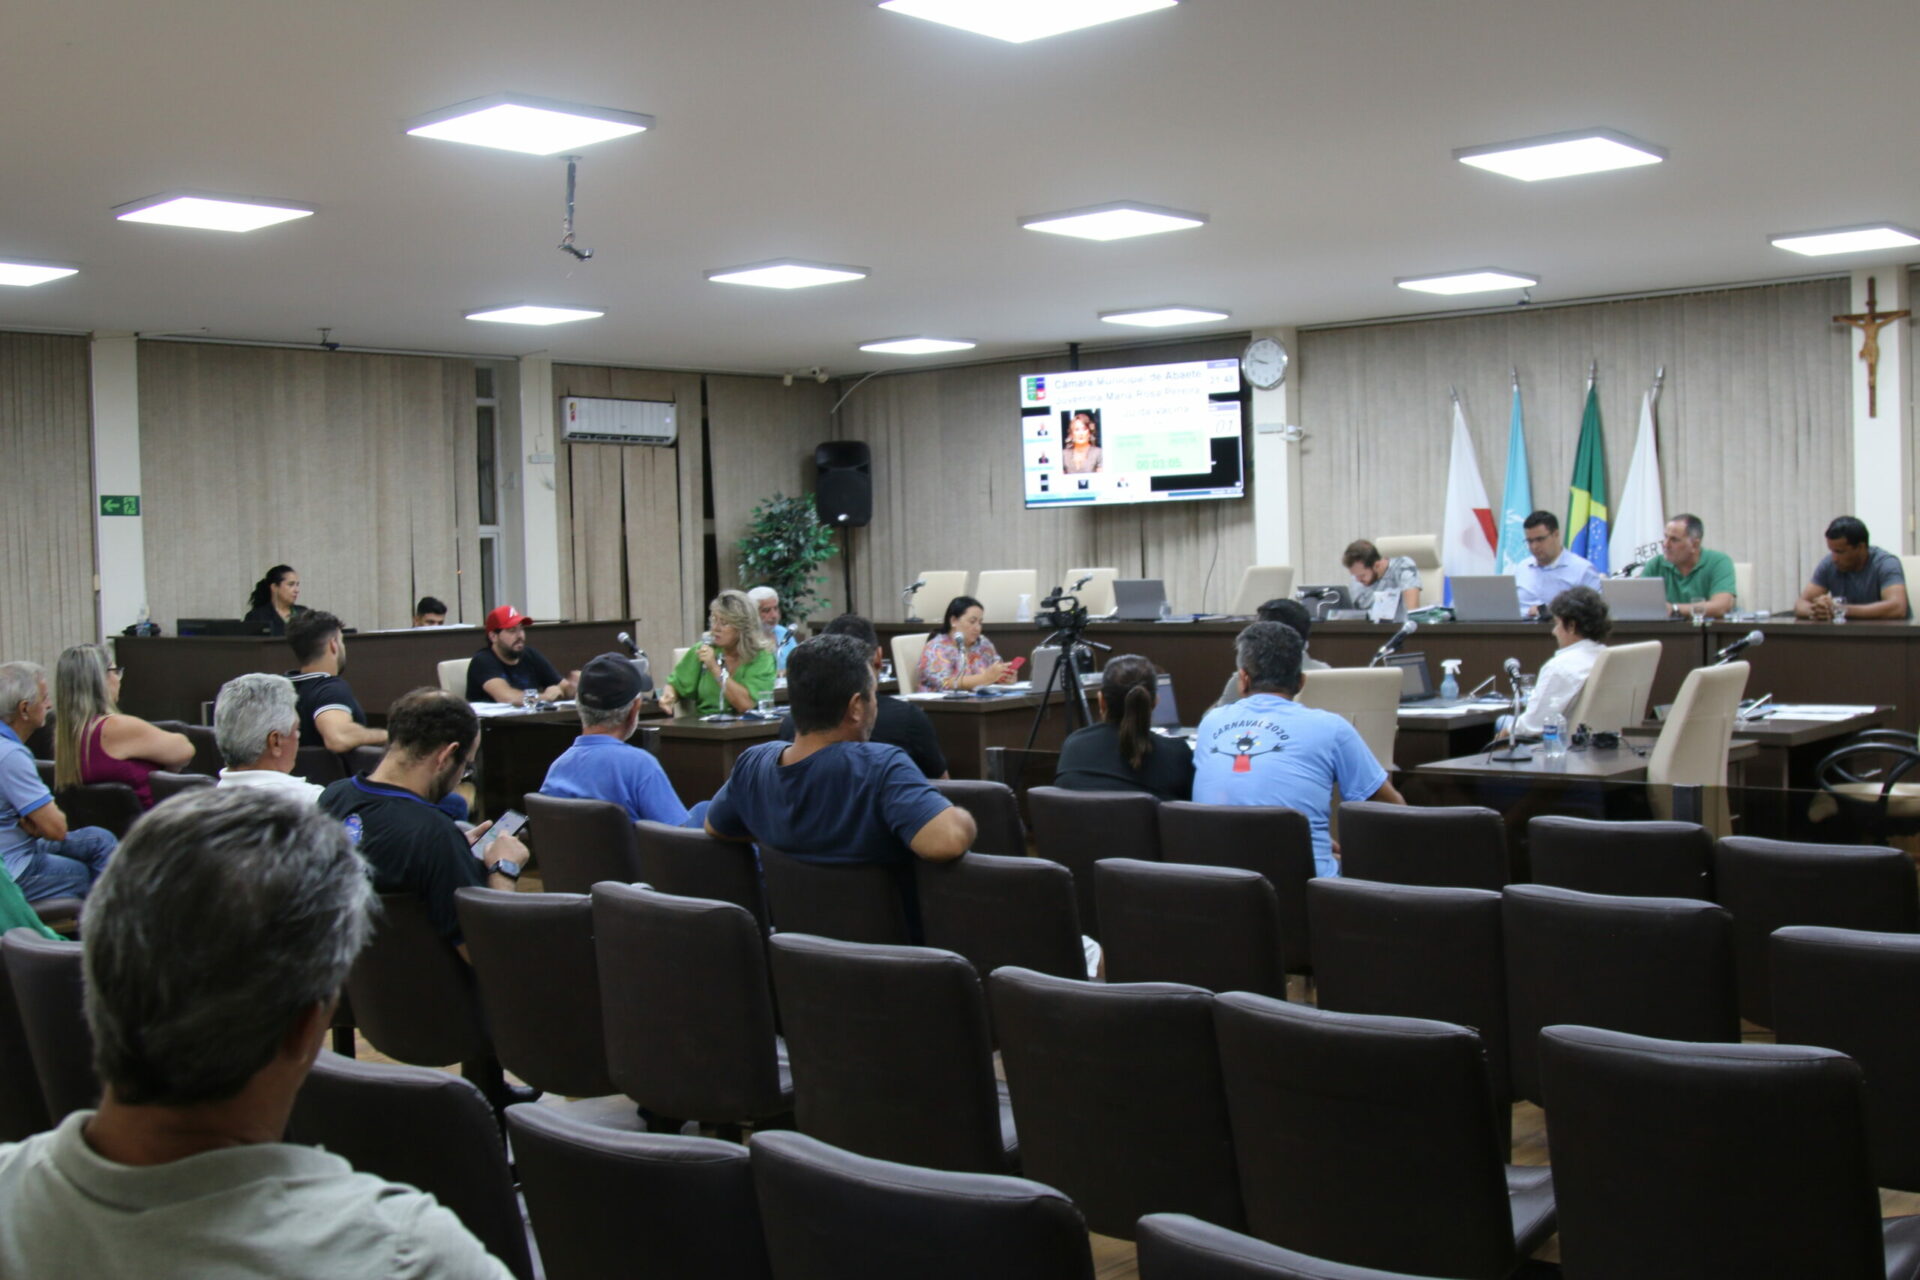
1139, 599
1485, 598
1635, 599
1416, 681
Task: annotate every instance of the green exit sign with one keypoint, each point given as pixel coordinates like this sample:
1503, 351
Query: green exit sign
126, 504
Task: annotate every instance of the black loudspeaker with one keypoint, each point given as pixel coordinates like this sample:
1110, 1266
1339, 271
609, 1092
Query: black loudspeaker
843, 483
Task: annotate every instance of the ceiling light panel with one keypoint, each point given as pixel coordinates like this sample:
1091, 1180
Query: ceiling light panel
1817, 244
527, 313
1479, 280
24, 274
916, 346
1163, 317
787, 273
1120, 220
1562, 155
529, 125
1018, 21
208, 212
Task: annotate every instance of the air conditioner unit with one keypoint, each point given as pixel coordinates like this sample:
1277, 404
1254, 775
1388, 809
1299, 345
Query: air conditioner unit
584, 420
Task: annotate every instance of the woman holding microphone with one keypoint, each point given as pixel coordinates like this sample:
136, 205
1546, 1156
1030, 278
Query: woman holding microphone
957, 656
732, 667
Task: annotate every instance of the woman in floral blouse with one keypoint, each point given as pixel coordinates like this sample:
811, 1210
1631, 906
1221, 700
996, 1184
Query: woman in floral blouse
957, 656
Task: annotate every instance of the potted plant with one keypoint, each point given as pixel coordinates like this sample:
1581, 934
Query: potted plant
785, 543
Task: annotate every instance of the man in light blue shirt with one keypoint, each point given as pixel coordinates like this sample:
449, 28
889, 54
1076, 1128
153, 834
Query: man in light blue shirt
1553, 568
39, 852
600, 765
767, 601
1267, 749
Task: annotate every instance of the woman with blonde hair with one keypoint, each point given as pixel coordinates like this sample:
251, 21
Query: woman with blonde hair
732, 668
93, 740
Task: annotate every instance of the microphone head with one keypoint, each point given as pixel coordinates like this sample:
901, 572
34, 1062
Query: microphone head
1756, 636
1410, 628
1511, 666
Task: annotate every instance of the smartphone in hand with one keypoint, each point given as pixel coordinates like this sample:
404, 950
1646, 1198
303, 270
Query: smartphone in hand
507, 824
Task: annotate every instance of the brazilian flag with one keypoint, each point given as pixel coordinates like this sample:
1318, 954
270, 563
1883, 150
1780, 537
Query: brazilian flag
1587, 495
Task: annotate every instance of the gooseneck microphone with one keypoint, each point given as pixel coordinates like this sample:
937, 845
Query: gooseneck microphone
1394, 642
1740, 646
633, 650
1512, 667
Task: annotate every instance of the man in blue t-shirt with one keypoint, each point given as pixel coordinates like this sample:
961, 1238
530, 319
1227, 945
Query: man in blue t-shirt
1267, 749
37, 850
600, 765
831, 796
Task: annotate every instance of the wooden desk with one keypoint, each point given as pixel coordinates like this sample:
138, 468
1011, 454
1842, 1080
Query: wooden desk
1427, 739
967, 728
167, 677
1788, 750
698, 755
1873, 663
517, 749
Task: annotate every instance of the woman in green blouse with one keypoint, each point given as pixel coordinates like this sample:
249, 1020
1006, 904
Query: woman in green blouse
732, 668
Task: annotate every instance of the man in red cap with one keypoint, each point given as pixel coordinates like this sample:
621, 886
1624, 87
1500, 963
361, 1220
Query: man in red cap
508, 668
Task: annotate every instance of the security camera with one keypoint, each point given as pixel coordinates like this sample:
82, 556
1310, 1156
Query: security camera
819, 374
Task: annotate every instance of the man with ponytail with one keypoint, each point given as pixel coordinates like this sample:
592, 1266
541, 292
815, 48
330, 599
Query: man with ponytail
1121, 753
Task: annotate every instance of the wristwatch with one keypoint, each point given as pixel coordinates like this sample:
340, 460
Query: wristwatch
506, 867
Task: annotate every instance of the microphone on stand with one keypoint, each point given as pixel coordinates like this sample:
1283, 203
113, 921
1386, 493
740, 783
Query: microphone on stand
1393, 644
1074, 589
906, 598
1512, 667
914, 586
1740, 646
1631, 569
633, 650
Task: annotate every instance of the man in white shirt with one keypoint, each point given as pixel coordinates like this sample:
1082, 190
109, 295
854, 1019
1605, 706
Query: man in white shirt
1553, 568
256, 722
1580, 623
216, 944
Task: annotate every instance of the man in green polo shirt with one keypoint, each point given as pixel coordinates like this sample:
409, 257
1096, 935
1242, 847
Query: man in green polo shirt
1698, 582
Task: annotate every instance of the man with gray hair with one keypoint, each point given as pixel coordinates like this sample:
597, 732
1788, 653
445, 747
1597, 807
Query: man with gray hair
202, 1038
767, 601
256, 722
42, 856
600, 765
1267, 749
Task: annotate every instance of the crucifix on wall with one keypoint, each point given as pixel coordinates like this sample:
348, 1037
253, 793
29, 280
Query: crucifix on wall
1870, 322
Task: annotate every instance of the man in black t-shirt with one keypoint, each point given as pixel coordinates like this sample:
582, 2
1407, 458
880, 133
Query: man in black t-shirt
898, 723
507, 668
330, 716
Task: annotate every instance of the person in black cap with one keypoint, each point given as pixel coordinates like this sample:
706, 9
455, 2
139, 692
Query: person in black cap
600, 765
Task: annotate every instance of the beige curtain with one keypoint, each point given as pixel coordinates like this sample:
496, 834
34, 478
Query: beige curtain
346, 466
948, 495
630, 514
1754, 431
46, 497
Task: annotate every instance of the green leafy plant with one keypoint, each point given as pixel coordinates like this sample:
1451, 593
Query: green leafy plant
785, 543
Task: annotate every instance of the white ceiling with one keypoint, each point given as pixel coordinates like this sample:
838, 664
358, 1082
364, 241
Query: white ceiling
1317, 134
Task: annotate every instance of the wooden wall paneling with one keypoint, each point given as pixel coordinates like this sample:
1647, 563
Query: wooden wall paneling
46, 496
762, 436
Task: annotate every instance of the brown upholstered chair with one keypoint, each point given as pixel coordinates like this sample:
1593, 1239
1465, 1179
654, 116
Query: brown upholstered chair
891, 1053
853, 902
49, 993
1276, 842
1460, 847
23, 1107
1768, 884
111, 805
579, 843
599, 1198
1633, 859
1001, 910
996, 813
1177, 1246
688, 1012
1211, 927
319, 765
1117, 1091
1078, 828
1373, 1141
166, 785
692, 864
830, 1214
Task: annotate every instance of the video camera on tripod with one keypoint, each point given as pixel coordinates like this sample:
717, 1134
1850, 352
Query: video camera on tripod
1062, 611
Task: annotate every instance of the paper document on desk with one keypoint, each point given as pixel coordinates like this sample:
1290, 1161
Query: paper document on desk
485, 709
1454, 709
1817, 711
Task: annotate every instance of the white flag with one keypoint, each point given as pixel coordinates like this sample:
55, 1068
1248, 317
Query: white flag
1640, 521
1466, 531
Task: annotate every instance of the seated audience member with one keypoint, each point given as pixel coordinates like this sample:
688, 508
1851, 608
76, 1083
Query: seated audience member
256, 721
600, 765
1267, 749
41, 856
897, 723
1293, 614
429, 611
216, 947
272, 603
767, 601
393, 812
330, 716
1121, 752
1870, 580
731, 669
1698, 582
1375, 576
957, 656
507, 668
1580, 623
94, 741
1552, 568
831, 796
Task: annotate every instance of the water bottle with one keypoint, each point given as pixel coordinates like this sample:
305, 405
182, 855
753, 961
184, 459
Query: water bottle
1553, 737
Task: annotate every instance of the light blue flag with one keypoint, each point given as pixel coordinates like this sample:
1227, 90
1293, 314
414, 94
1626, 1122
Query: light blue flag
1516, 503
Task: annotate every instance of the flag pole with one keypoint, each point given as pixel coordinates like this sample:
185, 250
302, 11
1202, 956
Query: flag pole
1593, 374
1516, 378
1659, 380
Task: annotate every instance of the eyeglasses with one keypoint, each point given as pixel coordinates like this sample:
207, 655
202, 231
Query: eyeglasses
116, 671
